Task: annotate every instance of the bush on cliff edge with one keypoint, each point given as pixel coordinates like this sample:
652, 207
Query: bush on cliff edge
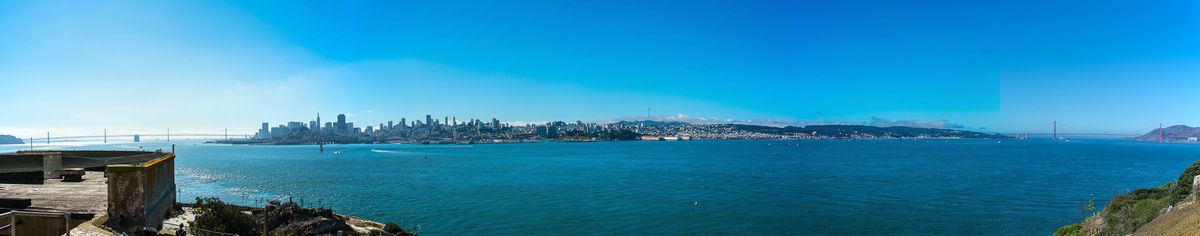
1070, 230
213, 214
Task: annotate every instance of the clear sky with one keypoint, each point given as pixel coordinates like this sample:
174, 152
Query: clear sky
1003, 66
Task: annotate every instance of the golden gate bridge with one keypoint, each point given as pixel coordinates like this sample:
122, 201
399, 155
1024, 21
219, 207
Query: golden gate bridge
1059, 131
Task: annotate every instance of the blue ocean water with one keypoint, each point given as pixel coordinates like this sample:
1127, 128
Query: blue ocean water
802, 187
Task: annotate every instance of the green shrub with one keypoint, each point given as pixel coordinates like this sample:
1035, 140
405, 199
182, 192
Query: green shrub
1184, 184
1129, 211
213, 214
392, 228
1070, 230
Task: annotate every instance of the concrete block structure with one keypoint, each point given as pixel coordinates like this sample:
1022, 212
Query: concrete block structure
137, 188
140, 195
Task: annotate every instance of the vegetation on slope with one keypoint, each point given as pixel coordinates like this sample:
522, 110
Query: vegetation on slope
213, 214
1130, 211
1070, 230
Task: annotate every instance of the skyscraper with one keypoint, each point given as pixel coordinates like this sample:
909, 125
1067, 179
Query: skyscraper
390, 127
341, 124
428, 120
265, 131
318, 126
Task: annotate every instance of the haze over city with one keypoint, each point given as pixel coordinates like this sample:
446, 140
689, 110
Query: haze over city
1010, 66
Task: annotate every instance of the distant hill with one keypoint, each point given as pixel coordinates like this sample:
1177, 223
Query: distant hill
1175, 133
846, 131
832, 131
9, 139
651, 123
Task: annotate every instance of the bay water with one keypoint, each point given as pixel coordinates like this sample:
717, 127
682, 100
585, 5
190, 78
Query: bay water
711, 187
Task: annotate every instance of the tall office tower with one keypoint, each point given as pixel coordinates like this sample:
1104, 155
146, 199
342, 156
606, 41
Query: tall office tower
381, 127
446, 121
495, 123
313, 126
428, 120
341, 124
318, 126
455, 119
265, 131
402, 123
328, 126
389, 127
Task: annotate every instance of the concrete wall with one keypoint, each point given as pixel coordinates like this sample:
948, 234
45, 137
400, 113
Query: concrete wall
52, 165
38, 223
33, 161
140, 196
18, 163
49, 163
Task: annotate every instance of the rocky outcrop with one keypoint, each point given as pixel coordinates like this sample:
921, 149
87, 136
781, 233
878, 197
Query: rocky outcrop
290, 219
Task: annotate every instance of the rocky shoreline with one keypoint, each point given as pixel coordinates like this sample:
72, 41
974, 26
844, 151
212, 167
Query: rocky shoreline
210, 215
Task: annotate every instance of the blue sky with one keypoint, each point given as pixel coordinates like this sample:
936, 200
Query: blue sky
1003, 66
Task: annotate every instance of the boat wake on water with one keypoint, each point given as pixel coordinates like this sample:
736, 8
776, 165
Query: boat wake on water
385, 151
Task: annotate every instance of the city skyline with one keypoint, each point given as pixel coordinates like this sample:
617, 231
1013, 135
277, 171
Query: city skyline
80, 67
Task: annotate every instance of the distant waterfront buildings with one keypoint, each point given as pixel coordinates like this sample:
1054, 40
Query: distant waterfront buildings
449, 130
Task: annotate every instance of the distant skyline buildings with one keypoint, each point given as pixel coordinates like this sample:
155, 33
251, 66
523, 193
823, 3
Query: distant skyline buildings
346, 128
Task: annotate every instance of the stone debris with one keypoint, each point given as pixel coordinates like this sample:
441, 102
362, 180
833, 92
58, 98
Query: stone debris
288, 218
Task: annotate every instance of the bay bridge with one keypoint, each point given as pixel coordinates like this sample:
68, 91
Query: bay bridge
136, 137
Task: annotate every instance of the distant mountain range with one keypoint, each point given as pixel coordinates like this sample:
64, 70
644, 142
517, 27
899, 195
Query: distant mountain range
1175, 133
9, 139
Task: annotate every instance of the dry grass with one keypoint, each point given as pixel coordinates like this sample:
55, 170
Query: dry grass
1183, 220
